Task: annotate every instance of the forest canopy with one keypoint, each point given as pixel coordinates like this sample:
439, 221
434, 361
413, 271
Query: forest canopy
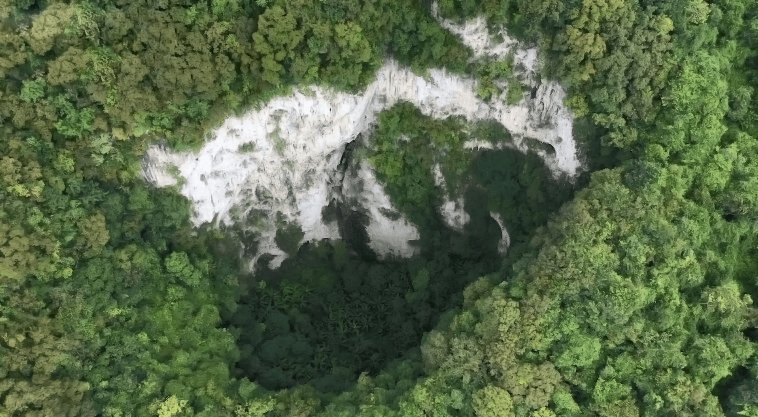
627, 293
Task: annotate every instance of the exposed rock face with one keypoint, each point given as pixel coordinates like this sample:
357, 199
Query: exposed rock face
453, 213
280, 164
390, 233
505, 238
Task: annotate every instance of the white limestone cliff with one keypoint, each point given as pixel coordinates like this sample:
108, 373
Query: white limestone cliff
279, 164
505, 238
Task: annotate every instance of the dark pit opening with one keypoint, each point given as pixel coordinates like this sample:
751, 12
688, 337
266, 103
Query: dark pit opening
330, 313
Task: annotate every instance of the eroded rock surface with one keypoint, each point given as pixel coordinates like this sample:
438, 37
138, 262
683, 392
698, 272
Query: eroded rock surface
279, 164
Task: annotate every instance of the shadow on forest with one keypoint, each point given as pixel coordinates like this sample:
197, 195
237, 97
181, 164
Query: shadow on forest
334, 310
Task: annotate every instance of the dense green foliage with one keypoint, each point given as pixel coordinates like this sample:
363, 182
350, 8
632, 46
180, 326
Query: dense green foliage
635, 298
110, 302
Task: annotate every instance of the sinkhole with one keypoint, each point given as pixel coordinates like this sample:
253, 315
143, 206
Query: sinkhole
334, 310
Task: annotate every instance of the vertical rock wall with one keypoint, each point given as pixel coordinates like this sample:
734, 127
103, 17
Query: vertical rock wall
279, 164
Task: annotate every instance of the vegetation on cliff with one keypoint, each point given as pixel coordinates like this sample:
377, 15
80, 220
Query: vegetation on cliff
631, 296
